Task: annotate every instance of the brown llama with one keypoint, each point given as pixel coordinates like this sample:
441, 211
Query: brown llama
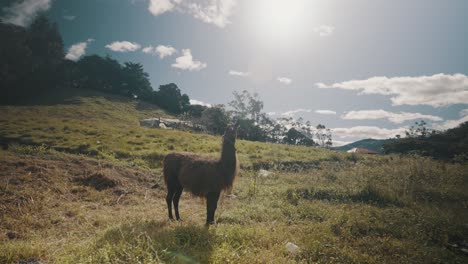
202, 176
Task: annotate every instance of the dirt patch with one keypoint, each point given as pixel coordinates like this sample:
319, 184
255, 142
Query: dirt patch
29, 183
98, 181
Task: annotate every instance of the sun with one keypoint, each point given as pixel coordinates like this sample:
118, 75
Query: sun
280, 18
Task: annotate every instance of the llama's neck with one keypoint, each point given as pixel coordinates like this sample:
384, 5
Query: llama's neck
228, 156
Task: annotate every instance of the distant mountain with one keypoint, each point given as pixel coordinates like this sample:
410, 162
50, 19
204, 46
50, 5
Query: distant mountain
372, 144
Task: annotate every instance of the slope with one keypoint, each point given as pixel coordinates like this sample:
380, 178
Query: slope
80, 182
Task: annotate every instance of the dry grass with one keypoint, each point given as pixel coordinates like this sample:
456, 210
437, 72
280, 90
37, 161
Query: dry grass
49, 215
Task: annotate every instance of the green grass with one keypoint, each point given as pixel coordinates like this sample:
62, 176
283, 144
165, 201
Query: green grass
80, 182
109, 129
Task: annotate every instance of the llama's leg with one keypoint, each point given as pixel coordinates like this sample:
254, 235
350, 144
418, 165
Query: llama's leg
177, 195
169, 197
211, 205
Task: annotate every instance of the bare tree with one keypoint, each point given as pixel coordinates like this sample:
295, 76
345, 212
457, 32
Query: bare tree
323, 136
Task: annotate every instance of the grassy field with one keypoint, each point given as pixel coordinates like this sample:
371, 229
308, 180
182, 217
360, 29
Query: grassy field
80, 182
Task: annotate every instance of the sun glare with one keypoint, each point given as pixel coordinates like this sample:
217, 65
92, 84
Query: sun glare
281, 18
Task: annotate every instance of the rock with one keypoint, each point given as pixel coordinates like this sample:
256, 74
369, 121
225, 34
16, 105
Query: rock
292, 248
263, 173
231, 196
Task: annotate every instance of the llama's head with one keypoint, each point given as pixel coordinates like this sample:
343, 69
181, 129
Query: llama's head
231, 133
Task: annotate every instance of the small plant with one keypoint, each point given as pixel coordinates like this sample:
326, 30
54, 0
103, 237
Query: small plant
29, 149
335, 157
353, 157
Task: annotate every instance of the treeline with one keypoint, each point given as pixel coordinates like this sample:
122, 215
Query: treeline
255, 125
448, 145
32, 62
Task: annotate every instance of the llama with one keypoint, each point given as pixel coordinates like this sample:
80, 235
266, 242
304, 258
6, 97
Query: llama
202, 176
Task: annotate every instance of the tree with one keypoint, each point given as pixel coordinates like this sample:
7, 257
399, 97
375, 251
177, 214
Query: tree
419, 129
136, 81
47, 54
15, 60
195, 111
250, 130
103, 74
247, 111
273, 131
246, 106
30, 59
296, 137
448, 144
323, 136
169, 98
45, 41
215, 119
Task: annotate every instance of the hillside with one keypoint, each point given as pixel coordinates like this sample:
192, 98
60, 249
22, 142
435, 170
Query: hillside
372, 144
107, 127
80, 182
445, 145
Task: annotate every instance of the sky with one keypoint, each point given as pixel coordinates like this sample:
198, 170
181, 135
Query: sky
364, 68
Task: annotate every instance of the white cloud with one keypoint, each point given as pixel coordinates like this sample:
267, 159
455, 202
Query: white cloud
77, 50
397, 118
284, 80
215, 12
186, 62
291, 113
436, 90
164, 51
157, 7
148, 50
197, 102
69, 17
325, 112
296, 111
324, 30
238, 73
339, 143
464, 112
450, 123
367, 132
161, 50
123, 46
21, 13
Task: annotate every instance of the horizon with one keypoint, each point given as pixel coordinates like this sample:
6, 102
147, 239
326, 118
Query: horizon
365, 69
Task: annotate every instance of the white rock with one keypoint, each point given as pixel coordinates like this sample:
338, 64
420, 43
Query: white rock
292, 248
263, 173
231, 196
